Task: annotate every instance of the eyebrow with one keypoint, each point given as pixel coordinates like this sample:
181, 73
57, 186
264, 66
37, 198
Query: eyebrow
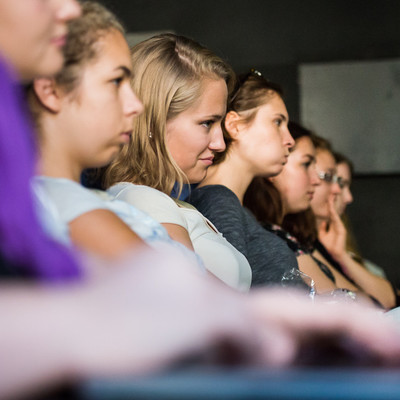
214, 116
284, 117
310, 157
127, 72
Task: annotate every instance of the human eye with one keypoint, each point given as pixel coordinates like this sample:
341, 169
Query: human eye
278, 122
310, 163
329, 176
207, 124
117, 81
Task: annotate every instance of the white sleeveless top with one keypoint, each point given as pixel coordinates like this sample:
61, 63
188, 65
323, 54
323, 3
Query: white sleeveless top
219, 256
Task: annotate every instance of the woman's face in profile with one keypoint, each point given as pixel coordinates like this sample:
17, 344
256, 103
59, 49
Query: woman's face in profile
195, 135
345, 197
263, 145
96, 117
325, 163
298, 180
33, 32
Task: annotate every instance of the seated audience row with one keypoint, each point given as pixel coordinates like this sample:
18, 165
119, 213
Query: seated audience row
144, 300
161, 154
282, 205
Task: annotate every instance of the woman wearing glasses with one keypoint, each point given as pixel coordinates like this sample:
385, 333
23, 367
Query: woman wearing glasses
258, 143
277, 200
330, 247
281, 204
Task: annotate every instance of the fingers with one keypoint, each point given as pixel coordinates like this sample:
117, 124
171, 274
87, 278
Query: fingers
323, 227
347, 328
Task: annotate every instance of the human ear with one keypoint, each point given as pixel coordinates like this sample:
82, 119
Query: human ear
232, 124
48, 93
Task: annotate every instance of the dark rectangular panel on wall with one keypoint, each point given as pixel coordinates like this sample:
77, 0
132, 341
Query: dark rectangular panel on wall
375, 220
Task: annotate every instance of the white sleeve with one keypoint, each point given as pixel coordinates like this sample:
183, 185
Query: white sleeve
158, 205
70, 198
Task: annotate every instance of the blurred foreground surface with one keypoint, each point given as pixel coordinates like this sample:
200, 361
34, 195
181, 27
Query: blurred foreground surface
248, 383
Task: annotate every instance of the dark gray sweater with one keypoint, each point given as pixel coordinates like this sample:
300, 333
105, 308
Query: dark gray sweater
268, 255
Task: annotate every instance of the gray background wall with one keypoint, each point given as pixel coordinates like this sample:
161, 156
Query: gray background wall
276, 37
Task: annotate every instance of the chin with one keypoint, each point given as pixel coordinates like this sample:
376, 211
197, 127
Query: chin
298, 209
274, 172
197, 177
51, 64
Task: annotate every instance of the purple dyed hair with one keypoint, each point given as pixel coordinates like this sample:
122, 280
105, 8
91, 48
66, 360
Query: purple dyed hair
22, 240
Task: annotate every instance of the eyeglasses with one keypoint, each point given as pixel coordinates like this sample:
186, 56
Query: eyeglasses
330, 177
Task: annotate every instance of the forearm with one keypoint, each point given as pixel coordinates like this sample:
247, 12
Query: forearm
374, 285
35, 338
103, 233
308, 266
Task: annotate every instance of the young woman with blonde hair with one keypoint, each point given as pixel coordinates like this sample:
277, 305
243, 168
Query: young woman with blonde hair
184, 89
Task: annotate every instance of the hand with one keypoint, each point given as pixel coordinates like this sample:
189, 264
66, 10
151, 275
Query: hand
332, 233
153, 309
297, 332
146, 316
150, 310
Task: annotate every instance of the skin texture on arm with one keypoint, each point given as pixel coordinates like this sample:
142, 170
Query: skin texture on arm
179, 234
333, 237
159, 206
153, 310
101, 232
309, 266
341, 281
135, 318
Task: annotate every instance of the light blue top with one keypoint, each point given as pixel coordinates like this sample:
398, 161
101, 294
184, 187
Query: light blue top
64, 200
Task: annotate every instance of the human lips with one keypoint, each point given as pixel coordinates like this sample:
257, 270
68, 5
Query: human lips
126, 136
285, 159
310, 195
59, 40
207, 160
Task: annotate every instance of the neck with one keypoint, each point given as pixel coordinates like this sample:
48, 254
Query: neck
55, 158
50, 164
231, 173
285, 212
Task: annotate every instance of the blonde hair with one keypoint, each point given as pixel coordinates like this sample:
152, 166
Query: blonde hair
80, 49
168, 72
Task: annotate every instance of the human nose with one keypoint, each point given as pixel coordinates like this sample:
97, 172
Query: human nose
217, 142
288, 140
314, 177
67, 9
348, 196
132, 105
335, 188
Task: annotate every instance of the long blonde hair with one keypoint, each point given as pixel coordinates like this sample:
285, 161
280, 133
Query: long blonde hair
168, 71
